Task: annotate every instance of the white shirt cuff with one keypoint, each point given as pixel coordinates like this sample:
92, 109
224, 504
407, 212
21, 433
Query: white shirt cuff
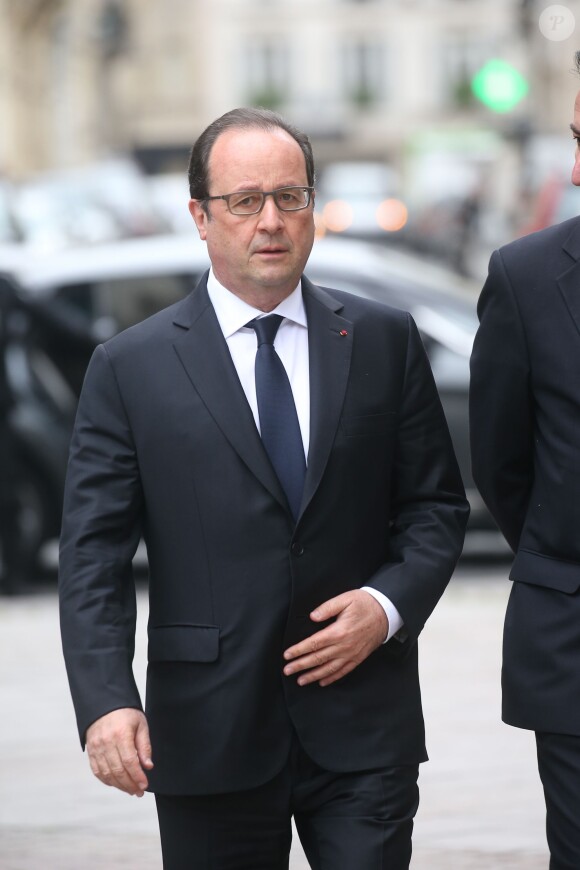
392, 614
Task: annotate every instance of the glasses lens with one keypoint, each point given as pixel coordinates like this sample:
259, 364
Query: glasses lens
246, 202
251, 201
292, 198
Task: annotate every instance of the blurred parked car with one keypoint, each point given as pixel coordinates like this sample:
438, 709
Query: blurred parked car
9, 231
459, 231
169, 193
92, 204
112, 287
40, 416
359, 199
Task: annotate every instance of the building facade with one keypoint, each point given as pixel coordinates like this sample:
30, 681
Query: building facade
372, 79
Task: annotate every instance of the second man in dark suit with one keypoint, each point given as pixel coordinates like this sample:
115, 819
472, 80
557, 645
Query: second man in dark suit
525, 433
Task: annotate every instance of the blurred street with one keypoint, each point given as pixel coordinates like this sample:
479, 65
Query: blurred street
481, 804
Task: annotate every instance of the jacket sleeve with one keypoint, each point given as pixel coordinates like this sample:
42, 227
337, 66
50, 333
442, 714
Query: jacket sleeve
429, 510
501, 408
100, 533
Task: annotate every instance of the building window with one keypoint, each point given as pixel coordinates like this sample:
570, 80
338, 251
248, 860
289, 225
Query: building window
363, 72
460, 59
266, 67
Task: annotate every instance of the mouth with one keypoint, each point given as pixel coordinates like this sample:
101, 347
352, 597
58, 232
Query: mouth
271, 251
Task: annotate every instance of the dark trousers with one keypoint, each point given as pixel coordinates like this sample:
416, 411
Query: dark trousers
344, 821
559, 766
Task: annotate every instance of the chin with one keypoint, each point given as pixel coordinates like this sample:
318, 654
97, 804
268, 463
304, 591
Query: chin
275, 277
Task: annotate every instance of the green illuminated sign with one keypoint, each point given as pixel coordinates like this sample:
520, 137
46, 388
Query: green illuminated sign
499, 86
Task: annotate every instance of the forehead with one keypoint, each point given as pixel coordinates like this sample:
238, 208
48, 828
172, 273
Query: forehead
252, 156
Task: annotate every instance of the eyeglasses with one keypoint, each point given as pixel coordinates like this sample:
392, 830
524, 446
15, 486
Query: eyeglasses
245, 202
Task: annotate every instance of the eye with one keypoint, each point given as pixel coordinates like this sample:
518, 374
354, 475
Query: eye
245, 200
291, 195
576, 140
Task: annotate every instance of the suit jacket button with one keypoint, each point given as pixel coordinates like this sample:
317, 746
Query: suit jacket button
297, 549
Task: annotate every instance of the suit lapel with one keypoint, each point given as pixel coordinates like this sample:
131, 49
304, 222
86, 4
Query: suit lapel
330, 339
203, 352
206, 359
569, 281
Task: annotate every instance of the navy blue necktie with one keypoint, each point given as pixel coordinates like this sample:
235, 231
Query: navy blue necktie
279, 425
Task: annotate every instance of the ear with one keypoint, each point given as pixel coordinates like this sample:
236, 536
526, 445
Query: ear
200, 217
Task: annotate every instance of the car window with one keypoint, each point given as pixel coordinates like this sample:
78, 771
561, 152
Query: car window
129, 300
113, 304
79, 297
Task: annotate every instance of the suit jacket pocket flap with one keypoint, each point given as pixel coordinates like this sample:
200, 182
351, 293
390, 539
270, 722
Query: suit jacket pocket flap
538, 569
369, 424
183, 643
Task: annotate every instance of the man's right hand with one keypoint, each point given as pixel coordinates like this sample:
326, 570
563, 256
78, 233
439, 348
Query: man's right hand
119, 750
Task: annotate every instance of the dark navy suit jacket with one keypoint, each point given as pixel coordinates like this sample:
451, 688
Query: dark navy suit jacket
525, 434
165, 446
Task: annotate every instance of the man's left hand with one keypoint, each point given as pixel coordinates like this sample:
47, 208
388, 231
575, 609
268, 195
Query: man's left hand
360, 627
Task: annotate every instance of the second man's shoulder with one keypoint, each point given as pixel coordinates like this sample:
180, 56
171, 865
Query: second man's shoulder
543, 244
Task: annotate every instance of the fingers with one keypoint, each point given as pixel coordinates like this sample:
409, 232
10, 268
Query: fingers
327, 656
327, 636
143, 745
315, 666
118, 748
331, 671
328, 661
332, 607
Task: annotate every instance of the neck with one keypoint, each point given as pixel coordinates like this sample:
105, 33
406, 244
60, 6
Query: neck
263, 298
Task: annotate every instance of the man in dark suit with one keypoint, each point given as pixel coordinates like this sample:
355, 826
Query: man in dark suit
525, 433
286, 596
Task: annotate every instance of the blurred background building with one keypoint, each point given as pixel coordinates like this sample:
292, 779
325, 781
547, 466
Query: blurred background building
440, 129
381, 80
387, 81
82, 78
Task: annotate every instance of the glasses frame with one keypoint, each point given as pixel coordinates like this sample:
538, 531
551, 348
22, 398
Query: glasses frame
264, 193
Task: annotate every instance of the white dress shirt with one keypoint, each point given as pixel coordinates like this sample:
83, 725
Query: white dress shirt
291, 345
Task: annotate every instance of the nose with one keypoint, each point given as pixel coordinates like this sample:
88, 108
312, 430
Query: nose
270, 218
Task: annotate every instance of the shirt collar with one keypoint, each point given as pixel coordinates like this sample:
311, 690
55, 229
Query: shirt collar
233, 313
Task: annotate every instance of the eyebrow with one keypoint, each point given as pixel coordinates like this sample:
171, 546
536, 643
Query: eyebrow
575, 129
